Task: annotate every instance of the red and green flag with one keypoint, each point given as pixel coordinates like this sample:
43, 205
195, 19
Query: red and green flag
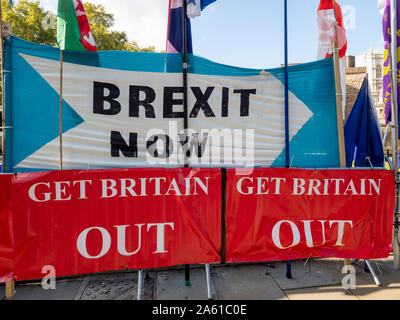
73, 29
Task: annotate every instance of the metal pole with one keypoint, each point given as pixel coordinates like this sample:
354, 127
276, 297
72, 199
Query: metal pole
208, 277
140, 285
377, 281
185, 104
287, 137
3, 123
394, 121
385, 136
10, 285
61, 101
394, 113
396, 239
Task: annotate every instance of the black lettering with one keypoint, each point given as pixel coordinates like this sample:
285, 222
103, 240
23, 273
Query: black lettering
118, 144
152, 146
99, 98
193, 145
245, 100
202, 102
225, 101
170, 102
135, 102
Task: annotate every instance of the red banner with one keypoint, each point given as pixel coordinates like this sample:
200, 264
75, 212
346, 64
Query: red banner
282, 214
103, 220
6, 240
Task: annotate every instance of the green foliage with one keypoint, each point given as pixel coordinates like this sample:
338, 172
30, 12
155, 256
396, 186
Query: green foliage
27, 18
31, 22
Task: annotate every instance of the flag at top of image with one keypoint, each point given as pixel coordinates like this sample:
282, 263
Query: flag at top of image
384, 8
175, 23
73, 29
330, 28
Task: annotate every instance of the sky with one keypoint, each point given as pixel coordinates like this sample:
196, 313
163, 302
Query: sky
247, 33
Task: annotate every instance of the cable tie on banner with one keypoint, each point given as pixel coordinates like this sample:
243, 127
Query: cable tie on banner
6, 71
6, 127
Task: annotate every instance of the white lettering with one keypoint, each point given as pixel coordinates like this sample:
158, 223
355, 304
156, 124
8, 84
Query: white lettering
341, 225
82, 187
61, 191
299, 184
276, 234
121, 239
239, 186
105, 187
32, 192
81, 242
160, 235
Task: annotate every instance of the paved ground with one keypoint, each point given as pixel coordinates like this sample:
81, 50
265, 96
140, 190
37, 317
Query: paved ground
316, 279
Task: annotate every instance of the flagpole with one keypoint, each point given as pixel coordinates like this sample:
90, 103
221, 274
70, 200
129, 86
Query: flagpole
60, 112
10, 285
3, 123
339, 96
393, 57
394, 122
185, 104
339, 104
169, 20
287, 137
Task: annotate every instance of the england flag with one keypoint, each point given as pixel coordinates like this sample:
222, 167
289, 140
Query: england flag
331, 26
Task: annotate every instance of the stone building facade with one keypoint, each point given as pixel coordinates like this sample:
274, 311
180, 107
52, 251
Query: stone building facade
373, 61
354, 79
370, 63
